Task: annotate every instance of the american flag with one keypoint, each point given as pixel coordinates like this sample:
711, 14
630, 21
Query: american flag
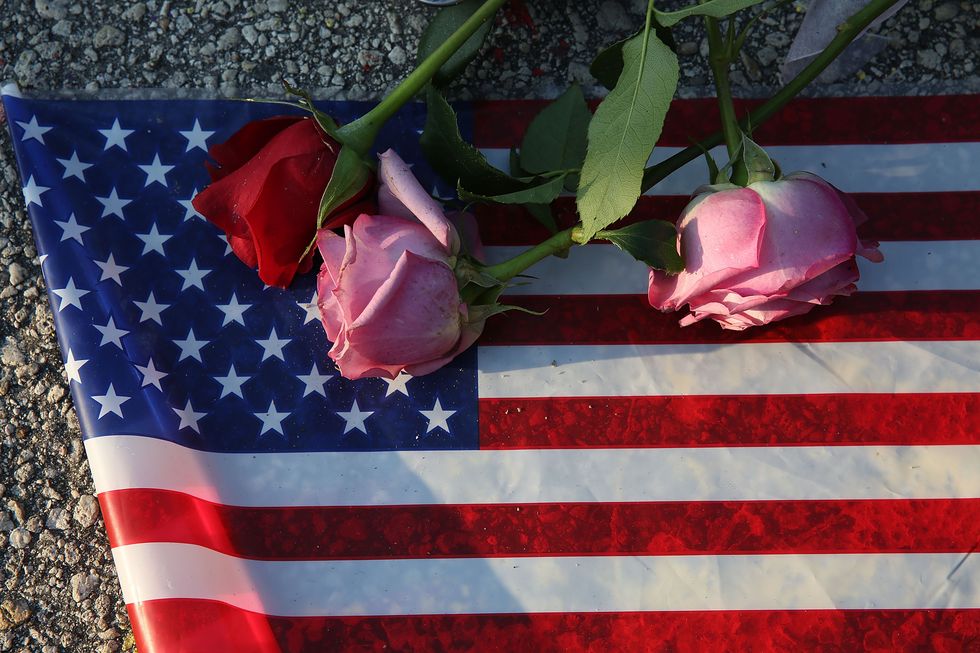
592, 479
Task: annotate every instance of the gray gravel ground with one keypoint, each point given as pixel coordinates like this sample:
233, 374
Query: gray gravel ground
58, 590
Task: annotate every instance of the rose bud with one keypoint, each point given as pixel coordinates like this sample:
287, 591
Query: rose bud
389, 298
265, 194
763, 253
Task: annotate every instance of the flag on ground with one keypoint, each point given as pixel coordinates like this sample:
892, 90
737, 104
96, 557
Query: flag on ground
595, 478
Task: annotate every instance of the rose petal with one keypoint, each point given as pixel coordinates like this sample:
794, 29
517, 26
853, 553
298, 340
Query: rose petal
771, 311
838, 280
273, 200
379, 242
857, 214
414, 317
333, 249
808, 231
720, 236
471, 332
353, 365
245, 144
403, 187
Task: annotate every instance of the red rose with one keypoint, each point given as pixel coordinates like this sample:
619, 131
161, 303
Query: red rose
265, 194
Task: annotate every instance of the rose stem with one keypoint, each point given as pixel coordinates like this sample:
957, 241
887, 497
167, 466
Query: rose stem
560, 242
846, 33
720, 58
360, 134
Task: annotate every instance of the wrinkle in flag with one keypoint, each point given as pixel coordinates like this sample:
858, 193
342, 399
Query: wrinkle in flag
595, 478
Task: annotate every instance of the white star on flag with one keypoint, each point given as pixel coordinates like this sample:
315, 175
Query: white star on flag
33, 192
156, 172
71, 230
272, 346
190, 347
314, 381
193, 276
113, 205
110, 402
189, 210
33, 130
231, 383
73, 365
271, 419
111, 270
70, 295
311, 307
234, 311
111, 333
197, 137
354, 418
116, 136
438, 417
398, 384
74, 167
151, 309
188, 417
153, 241
151, 375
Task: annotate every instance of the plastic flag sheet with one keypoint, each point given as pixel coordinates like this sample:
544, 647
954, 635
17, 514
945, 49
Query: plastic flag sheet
594, 478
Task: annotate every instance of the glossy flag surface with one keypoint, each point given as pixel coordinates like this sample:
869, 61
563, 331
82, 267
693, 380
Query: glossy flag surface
595, 478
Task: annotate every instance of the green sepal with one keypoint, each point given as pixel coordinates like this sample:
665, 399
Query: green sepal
349, 176
653, 242
327, 124
470, 271
482, 312
758, 165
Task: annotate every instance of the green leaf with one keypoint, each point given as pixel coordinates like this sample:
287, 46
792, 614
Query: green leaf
453, 158
623, 132
541, 193
542, 213
713, 8
443, 25
608, 64
653, 242
758, 165
557, 138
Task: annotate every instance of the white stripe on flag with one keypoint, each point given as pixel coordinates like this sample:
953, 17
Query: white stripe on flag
908, 265
374, 478
896, 168
734, 369
549, 584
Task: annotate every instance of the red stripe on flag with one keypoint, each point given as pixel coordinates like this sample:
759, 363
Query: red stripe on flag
891, 216
548, 529
629, 319
192, 626
730, 421
807, 121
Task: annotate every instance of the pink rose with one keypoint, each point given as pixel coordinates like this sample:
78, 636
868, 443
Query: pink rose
388, 292
763, 253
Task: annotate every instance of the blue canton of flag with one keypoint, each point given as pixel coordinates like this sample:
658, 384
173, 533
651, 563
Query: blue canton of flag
167, 333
